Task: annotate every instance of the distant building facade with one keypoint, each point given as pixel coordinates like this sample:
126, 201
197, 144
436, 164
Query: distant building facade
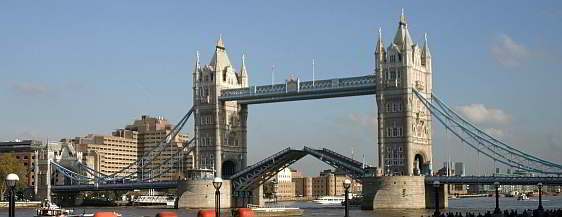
152, 131
109, 154
113, 154
25, 152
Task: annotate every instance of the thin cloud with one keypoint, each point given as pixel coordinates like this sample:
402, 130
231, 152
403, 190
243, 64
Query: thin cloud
480, 114
495, 132
363, 120
30, 89
509, 52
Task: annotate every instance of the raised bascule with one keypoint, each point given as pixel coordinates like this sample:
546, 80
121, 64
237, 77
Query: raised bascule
402, 83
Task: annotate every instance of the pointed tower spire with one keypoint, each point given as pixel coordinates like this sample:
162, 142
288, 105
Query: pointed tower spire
244, 72
379, 53
220, 42
380, 43
403, 18
197, 65
402, 35
425, 50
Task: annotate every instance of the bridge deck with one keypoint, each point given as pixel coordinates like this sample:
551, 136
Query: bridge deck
296, 90
125, 186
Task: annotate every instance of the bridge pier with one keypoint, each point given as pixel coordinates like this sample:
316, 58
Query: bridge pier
243, 198
392, 192
430, 196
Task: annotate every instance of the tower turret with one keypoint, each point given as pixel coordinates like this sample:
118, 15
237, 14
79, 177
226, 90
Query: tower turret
244, 72
220, 127
404, 124
403, 38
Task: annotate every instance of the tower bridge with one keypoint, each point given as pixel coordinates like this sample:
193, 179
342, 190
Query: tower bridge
402, 84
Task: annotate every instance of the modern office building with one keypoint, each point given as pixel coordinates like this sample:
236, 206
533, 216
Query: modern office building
151, 133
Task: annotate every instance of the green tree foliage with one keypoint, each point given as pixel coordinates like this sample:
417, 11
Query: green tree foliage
9, 164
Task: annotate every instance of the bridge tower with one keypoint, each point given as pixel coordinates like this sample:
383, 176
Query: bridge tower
404, 124
220, 127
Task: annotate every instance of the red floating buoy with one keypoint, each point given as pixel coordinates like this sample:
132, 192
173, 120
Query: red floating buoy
167, 214
106, 214
206, 213
244, 212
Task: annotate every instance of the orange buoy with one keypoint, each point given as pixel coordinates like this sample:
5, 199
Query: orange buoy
244, 212
206, 213
167, 214
106, 214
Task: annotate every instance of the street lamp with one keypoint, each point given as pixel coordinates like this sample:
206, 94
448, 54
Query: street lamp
436, 186
275, 186
540, 196
217, 183
11, 180
346, 185
497, 210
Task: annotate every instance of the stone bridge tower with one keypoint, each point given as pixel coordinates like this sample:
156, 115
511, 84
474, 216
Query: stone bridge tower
220, 127
404, 124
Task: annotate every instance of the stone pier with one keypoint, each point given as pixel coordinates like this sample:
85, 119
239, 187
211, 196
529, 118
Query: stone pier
393, 192
200, 194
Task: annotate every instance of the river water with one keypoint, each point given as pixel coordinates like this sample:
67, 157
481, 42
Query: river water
311, 209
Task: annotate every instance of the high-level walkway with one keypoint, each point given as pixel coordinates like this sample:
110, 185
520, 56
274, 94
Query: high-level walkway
294, 90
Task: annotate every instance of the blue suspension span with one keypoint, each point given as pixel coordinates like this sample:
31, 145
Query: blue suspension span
483, 142
145, 162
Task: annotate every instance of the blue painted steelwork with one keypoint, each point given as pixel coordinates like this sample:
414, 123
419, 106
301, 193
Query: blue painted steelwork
255, 175
344, 158
489, 180
143, 163
296, 90
482, 142
74, 176
353, 168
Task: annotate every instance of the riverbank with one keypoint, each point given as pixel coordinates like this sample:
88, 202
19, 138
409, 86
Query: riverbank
29, 204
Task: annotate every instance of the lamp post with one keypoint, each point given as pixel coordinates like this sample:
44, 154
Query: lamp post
540, 196
346, 185
11, 180
275, 186
436, 186
217, 183
497, 210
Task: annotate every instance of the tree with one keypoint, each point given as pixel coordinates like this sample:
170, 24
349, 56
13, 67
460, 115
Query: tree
9, 164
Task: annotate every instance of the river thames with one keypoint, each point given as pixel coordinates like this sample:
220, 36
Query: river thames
311, 209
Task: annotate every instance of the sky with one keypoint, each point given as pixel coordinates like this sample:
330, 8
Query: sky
70, 68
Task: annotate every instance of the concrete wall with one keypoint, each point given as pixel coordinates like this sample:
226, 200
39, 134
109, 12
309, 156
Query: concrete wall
393, 192
201, 194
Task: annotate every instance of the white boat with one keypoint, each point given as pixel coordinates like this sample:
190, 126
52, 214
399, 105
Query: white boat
329, 200
50, 209
522, 197
275, 211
